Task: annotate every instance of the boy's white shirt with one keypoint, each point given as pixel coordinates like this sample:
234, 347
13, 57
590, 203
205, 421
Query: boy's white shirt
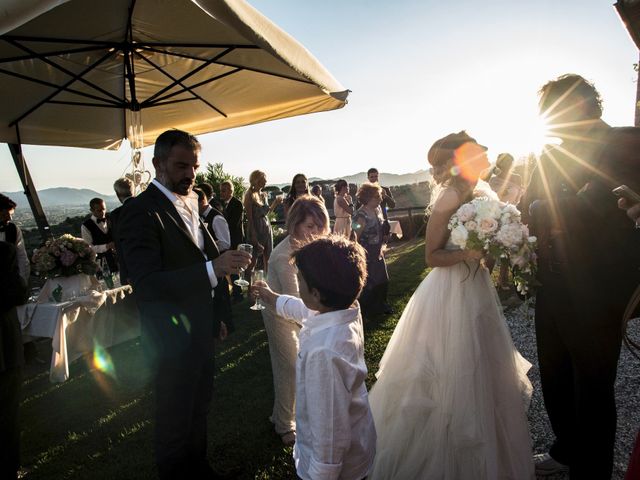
335, 434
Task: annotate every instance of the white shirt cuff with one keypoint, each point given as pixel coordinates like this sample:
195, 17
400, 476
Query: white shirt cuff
212, 275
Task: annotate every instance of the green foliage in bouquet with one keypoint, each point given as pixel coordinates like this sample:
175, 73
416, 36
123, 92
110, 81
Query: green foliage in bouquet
63, 257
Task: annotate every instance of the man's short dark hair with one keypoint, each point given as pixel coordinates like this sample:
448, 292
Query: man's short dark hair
206, 188
372, 170
6, 203
94, 202
200, 192
567, 86
169, 139
334, 266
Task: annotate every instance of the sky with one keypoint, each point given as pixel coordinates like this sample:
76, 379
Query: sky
418, 70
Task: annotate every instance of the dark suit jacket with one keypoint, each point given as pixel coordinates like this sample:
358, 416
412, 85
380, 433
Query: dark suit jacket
581, 231
169, 277
387, 202
13, 292
233, 213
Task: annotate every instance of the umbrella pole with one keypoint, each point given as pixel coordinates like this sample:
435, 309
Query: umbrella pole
30, 190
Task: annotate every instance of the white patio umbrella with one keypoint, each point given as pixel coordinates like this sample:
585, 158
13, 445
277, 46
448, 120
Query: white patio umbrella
81, 72
89, 73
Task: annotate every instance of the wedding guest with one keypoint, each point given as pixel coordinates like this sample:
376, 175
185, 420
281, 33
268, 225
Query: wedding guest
368, 225
96, 232
308, 218
505, 182
124, 189
316, 190
508, 186
342, 209
14, 292
207, 188
219, 229
11, 233
588, 268
233, 211
259, 231
174, 266
387, 198
299, 186
214, 220
336, 437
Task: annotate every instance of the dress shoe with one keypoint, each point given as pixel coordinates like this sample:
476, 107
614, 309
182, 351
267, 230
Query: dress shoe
546, 466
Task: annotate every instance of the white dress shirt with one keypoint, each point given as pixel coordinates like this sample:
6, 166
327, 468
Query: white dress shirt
187, 208
335, 434
21, 254
87, 237
221, 229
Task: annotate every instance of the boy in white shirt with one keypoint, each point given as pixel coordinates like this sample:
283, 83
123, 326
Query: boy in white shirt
336, 437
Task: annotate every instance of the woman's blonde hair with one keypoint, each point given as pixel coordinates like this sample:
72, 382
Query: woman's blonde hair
304, 206
367, 191
251, 191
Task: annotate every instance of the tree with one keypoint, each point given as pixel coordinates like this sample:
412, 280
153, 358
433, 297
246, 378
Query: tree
215, 175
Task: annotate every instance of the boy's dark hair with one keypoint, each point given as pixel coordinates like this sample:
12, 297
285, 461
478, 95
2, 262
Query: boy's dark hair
334, 266
207, 189
372, 170
94, 202
6, 203
200, 192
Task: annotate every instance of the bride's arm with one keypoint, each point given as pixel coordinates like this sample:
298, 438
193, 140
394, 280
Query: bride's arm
438, 233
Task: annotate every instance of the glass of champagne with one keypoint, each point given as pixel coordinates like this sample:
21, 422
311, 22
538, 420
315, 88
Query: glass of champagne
257, 276
240, 281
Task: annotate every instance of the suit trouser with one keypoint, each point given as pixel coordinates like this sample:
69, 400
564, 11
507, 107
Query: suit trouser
10, 382
579, 338
183, 394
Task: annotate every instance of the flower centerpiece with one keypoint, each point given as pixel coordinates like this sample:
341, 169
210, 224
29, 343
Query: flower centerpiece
496, 228
65, 256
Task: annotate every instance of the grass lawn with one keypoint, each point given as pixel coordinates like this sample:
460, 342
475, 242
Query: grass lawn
99, 426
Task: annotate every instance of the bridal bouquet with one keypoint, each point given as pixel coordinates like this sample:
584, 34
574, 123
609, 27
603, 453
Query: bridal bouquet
495, 227
65, 256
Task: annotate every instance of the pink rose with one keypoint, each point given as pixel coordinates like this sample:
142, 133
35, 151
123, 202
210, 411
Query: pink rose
487, 225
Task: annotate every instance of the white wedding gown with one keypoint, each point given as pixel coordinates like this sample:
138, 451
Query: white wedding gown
451, 396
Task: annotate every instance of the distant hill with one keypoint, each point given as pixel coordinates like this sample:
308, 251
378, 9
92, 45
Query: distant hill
386, 179
62, 196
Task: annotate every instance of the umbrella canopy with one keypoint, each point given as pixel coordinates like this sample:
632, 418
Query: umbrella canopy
87, 73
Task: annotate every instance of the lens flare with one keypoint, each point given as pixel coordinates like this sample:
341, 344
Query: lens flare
470, 160
102, 360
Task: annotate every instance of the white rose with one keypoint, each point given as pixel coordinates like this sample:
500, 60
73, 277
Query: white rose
466, 212
532, 239
510, 235
459, 236
487, 225
471, 225
488, 209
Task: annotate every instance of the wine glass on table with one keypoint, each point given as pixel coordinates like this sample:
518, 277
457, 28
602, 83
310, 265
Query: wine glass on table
240, 281
257, 276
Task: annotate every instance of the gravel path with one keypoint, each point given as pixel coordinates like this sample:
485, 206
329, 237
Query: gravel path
627, 392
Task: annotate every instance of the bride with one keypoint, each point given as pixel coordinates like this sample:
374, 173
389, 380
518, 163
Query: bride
452, 390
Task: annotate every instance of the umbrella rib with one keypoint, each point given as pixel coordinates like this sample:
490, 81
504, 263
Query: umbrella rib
196, 85
189, 89
186, 76
83, 104
64, 87
56, 86
52, 54
70, 73
225, 64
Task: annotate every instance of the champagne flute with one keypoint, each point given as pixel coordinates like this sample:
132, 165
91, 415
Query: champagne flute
257, 276
243, 247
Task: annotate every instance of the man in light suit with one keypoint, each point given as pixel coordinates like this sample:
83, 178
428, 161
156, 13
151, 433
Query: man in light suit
174, 266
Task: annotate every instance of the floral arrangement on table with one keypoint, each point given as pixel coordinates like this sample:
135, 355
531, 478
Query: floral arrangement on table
496, 228
64, 256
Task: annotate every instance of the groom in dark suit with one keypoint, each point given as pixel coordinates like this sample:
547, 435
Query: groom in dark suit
174, 264
588, 267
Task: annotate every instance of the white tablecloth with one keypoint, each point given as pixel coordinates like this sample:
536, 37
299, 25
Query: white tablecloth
77, 326
396, 228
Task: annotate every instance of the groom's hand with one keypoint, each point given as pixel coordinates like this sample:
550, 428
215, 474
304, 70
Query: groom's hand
230, 261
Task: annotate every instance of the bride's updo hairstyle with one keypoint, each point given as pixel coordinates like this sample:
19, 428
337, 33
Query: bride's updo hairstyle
442, 153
